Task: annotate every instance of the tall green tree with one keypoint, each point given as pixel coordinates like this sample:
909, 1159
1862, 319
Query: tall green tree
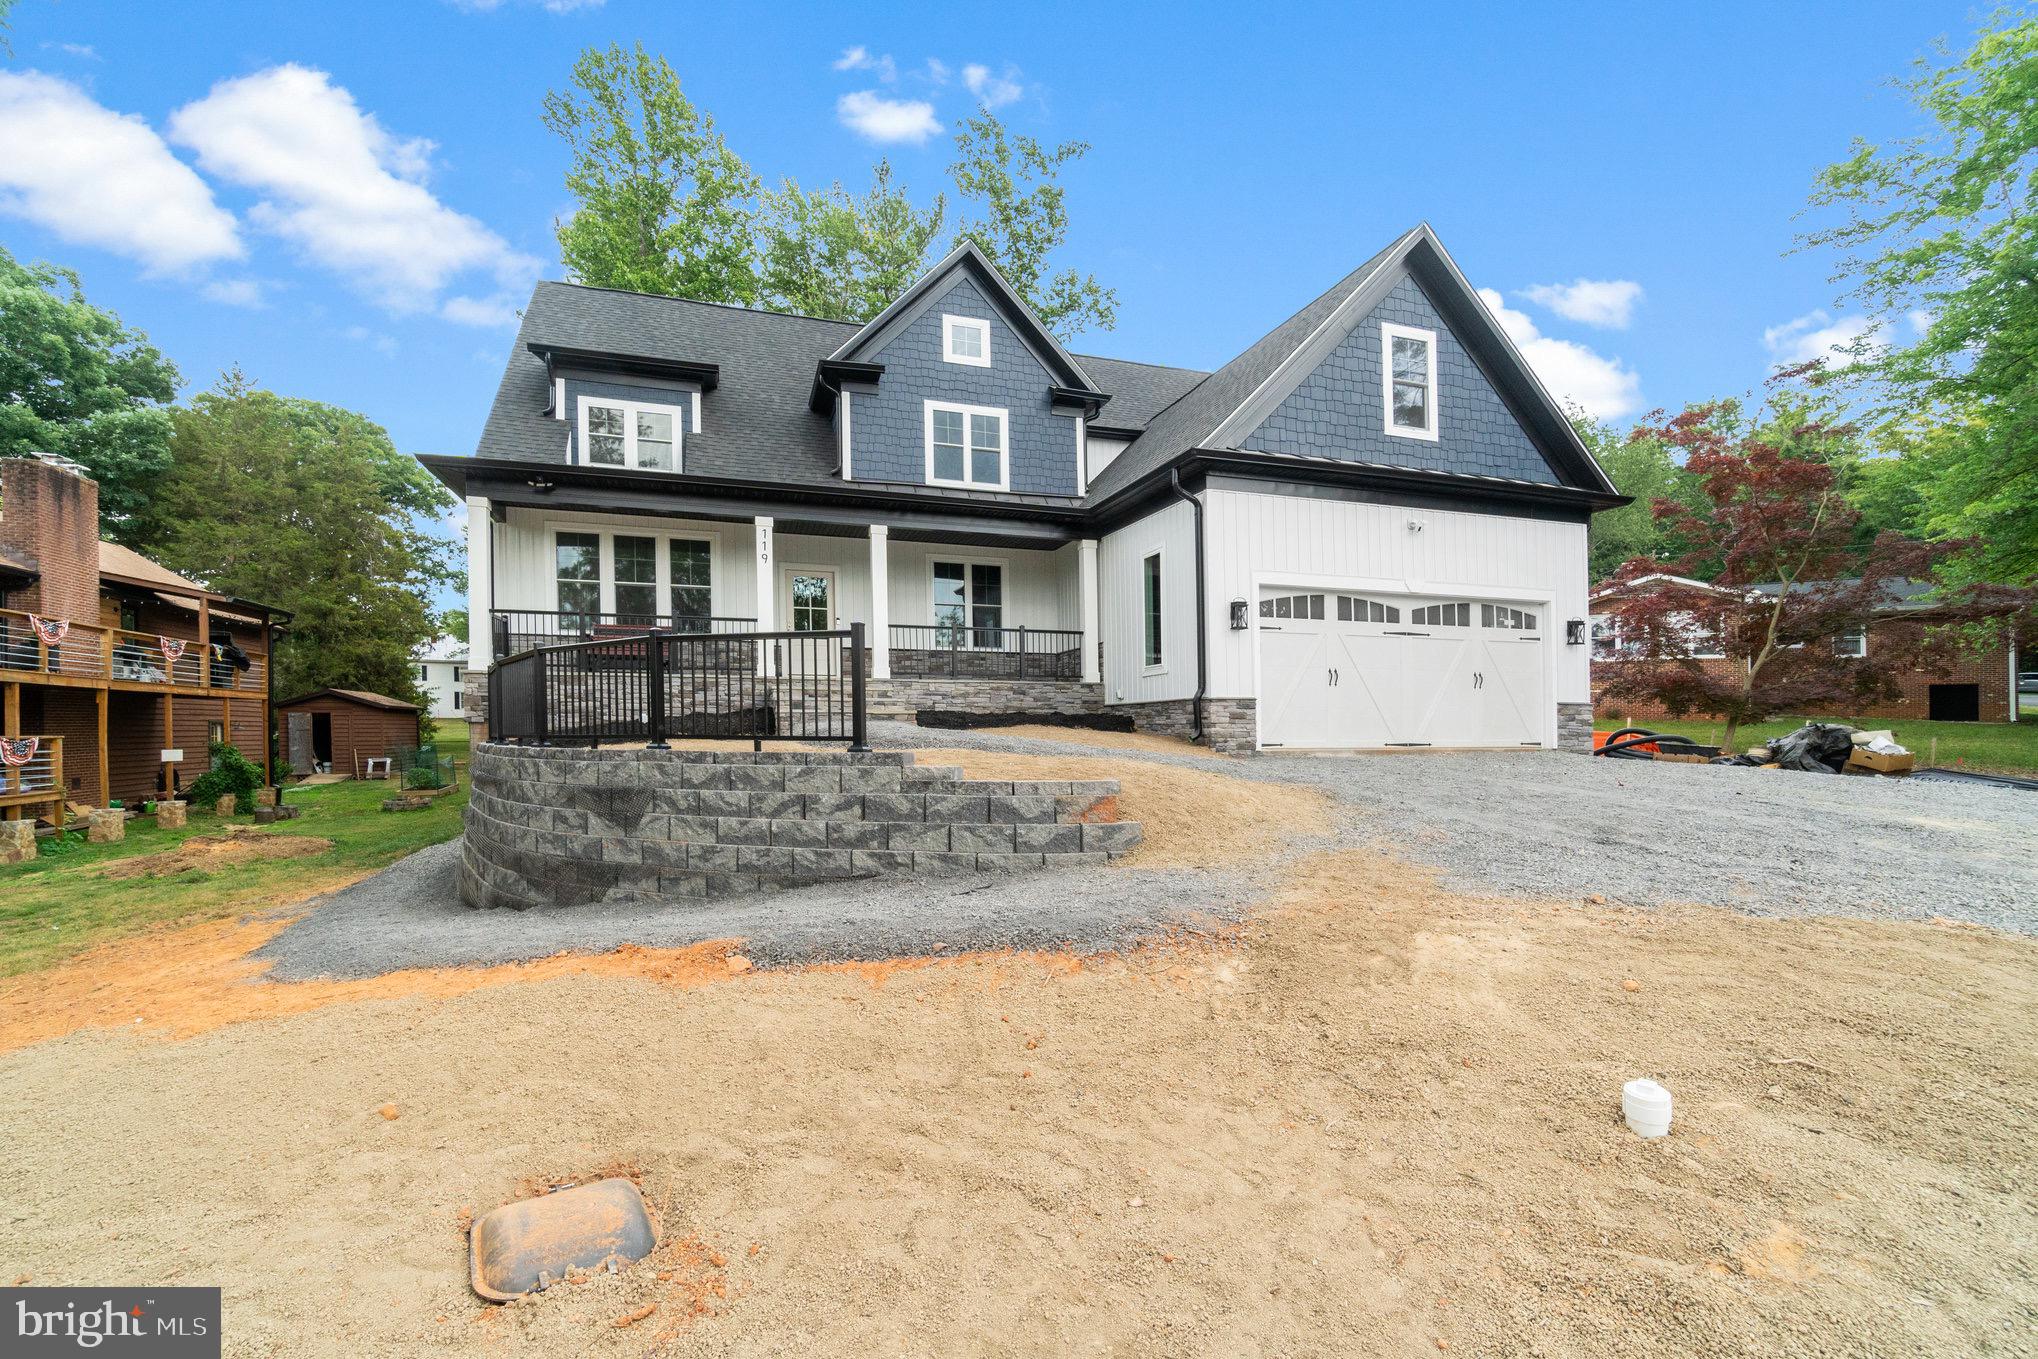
663, 204
75, 381
294, 503
1939, 237
1640, 466
1014, 184
831, 254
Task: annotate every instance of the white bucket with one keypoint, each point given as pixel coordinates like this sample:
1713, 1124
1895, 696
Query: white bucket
1646, 1106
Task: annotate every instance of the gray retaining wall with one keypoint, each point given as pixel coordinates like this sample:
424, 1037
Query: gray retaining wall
559, 826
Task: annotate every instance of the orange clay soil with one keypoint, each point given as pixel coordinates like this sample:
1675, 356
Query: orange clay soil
1381, 1118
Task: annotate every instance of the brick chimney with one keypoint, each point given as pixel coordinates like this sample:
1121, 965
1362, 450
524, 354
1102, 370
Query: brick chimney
49, 520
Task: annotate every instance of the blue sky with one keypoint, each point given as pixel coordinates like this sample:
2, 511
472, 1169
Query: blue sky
348, 200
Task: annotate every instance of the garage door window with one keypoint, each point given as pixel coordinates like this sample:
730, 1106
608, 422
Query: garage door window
1443, 616
1351, 609
1292, 606
1500, 616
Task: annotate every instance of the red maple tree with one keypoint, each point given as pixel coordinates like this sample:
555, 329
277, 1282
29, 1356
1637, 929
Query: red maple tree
1787, 576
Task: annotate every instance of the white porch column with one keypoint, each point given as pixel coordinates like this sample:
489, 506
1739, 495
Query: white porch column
880, 602
1086, 586
766, 596
480, 587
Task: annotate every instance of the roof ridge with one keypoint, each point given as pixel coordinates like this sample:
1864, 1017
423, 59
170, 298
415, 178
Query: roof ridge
693, 301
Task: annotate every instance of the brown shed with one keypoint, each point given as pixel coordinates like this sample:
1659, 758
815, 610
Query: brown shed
340, 730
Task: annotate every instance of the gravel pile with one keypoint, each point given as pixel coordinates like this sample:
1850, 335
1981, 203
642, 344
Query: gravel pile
1534, 824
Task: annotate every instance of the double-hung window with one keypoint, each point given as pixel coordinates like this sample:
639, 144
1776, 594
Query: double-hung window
966, 446
969, 605
630, 434
636, 579
692, 598
1851, 642
1408, 363
966, 339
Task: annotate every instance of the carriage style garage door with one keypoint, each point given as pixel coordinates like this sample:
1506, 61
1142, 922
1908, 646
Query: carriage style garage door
1340, 671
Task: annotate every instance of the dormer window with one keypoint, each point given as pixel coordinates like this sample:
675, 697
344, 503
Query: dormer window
1408, 363
630, 434
965, 339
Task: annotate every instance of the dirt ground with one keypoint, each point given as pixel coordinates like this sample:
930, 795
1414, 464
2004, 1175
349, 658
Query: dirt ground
1379, 1119
214, 853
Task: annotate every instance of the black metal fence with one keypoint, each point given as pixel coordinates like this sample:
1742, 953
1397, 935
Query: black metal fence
951, 651
516, 630
658, 686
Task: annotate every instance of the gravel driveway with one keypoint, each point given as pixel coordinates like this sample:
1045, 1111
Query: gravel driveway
1531, 824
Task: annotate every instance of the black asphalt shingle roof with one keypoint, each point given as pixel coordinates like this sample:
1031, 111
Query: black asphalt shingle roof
762, 428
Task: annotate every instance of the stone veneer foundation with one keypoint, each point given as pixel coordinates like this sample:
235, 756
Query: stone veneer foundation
567, 826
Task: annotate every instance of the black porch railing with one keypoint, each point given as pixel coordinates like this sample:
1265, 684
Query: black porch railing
951, 651
656, 687
516, 630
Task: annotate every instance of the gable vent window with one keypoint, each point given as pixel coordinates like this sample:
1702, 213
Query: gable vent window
965, 446
1408, 358
629, 434
965, 339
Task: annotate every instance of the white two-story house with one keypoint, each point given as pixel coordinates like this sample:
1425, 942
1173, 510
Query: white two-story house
1367, 530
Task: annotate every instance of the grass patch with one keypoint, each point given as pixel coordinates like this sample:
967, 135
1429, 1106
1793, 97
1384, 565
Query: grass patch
64, 902
1992, 747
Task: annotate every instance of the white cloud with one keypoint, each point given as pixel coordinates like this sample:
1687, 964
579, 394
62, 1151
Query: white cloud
1814, 335
937, 70
1603, 388
993, 91
383, 344
95, 177
235, 292
83, 51
499, 310
860, 59
1608, 302
336, 183
870, 114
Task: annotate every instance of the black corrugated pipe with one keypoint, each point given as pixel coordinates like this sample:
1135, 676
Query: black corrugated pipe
1202, 622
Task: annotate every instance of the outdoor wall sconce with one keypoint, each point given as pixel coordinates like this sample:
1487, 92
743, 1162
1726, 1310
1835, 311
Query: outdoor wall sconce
1574, 632
1238, 615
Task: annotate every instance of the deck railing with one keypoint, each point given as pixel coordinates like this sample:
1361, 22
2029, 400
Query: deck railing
516, 630
660, 686
90, 652
39, 780
952, 651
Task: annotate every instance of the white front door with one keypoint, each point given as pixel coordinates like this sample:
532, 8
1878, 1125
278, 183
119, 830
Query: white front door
1342, 671
808, 603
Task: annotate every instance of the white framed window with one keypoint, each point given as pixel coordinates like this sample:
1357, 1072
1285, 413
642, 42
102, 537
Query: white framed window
1851, 642
966, 446
630, 434
965, 339
664, 577
424, 674
1408, 368
969, 604
1152, 651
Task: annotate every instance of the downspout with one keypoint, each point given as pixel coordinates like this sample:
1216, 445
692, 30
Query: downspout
1202, 622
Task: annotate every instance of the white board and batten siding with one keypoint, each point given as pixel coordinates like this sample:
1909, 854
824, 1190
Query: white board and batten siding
1121, 590
1258, 542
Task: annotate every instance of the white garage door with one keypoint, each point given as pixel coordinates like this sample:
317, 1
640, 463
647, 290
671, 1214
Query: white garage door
1342, 671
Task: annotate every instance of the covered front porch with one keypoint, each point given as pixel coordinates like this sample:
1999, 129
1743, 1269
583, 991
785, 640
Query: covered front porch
968, 609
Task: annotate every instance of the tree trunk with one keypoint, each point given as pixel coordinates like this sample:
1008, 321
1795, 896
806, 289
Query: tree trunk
1727, 741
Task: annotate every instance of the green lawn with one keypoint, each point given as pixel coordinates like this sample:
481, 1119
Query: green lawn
1994, 747
62, 904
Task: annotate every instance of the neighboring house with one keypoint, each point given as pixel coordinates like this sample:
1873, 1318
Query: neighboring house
442, 675
337, 731
110, 688
1978, 685
1368, 529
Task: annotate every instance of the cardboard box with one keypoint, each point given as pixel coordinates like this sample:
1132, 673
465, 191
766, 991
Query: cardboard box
1873, 763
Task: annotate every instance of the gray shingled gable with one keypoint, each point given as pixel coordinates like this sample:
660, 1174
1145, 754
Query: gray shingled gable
1184, 424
